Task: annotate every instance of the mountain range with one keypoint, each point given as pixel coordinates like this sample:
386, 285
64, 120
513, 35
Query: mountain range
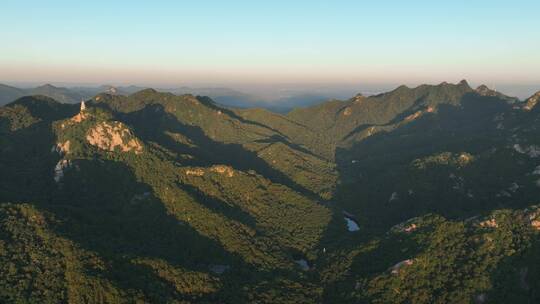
227, 97
417, 195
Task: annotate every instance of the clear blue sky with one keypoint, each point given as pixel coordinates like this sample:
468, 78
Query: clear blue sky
270, 41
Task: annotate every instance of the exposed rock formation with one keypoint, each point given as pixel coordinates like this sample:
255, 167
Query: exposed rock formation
396, 268
408, 226
491, 223
109, 136
79, 117
532, 151
82, 115
195, 172
59, 169
222, 169
485, 91
61, 148
413, 116
531, 102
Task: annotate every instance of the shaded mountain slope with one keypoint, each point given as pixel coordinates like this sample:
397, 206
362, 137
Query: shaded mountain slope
243, 222
197, 123
459, 156
338, 119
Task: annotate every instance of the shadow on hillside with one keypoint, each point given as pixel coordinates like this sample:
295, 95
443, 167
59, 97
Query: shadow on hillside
517, 278
204, 151
106, 210
373, 169
280, 139
25, 149
231, 212
399, 118
4, 125
103, 209
210, 103
121, 219
46, 108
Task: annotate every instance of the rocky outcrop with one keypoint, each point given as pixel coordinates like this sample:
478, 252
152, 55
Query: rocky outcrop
110, 136
490, 223
79, 117
413, 116
195, 172
532, 151
370, 131
408, 226
485, 91
61, 148
532, 101
398, 267
533, 215
222, 169
458, 160
62, 165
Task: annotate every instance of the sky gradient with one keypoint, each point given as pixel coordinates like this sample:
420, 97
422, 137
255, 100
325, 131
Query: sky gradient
258, 42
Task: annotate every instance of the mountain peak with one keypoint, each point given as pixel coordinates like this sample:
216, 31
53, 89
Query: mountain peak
144, 92
485, 90
47, 86
147, 91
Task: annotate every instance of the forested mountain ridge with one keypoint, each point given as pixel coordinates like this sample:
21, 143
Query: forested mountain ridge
423, 195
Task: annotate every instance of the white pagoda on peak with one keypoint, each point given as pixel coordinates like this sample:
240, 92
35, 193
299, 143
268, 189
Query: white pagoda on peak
83, 106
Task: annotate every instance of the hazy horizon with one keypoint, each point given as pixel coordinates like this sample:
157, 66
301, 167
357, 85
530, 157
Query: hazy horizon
240, 44
271, 92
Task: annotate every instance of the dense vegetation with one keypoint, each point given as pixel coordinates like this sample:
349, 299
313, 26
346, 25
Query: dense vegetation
159, 198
